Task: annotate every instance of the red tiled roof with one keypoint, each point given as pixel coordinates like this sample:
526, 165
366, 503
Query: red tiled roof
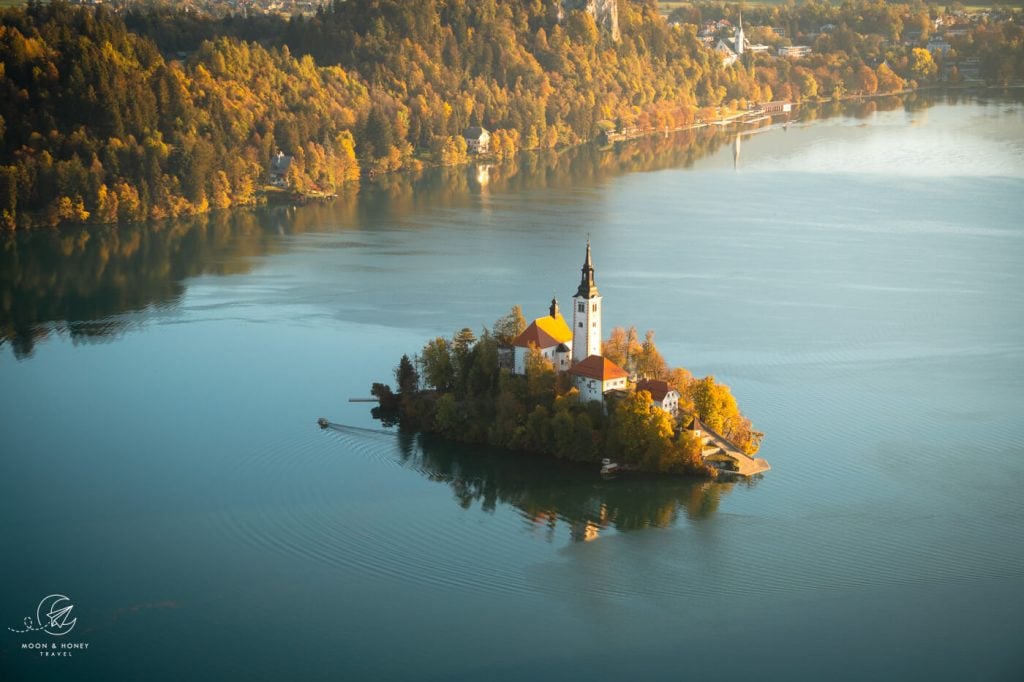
597, 367
657, 389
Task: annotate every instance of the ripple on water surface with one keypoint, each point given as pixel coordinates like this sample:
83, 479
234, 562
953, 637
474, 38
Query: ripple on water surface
303, 506
301, 513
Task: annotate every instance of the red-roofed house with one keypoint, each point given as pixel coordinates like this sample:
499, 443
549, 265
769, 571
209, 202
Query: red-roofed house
662, 395
596, 375
551, 335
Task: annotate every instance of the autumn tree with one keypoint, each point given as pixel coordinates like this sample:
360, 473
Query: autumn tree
508, 327
714, 403
716, 407
639, 434
623, 348
923, 67
888, 81
649, 361
453, 151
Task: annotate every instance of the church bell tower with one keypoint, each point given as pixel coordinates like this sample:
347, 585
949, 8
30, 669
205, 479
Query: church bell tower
739, 36
586, 314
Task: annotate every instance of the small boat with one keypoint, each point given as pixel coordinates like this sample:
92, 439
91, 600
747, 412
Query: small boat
609, 467
322, 421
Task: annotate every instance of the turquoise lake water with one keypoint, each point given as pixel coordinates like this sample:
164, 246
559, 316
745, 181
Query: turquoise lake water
857, 280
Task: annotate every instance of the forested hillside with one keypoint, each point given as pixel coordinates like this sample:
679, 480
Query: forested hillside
99, 126
156, 114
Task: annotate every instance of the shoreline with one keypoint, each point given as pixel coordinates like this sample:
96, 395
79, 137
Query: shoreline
737, 118
278, 198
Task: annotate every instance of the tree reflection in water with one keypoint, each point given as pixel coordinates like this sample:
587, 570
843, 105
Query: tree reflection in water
547, 492
79, 280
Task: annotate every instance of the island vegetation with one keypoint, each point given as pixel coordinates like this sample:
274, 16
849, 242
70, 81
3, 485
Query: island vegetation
460, 387
121, 115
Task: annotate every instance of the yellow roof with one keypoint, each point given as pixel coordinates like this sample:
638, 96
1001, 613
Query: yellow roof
555, 327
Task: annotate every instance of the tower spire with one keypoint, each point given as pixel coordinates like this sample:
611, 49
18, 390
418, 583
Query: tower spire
739, 35
586, 313
587, 287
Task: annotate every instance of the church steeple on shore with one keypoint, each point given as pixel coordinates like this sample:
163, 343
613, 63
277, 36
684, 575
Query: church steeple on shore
587, 288
586, 314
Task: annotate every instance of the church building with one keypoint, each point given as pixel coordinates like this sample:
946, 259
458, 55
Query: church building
576, 350
732, 49
586, 314
551, 335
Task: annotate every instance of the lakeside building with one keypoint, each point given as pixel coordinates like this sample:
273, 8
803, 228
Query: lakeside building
576, 350
733, 48
551, 335
662, 394
597, 376
796, 51
723, 48
478, 140
278, 169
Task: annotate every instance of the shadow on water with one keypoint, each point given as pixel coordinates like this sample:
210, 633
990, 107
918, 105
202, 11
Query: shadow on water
549, 492
79, 280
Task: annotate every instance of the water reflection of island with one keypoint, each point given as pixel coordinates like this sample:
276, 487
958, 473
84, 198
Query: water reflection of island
547, 492
79, 280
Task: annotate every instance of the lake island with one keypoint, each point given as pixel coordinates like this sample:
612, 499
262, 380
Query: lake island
562, 391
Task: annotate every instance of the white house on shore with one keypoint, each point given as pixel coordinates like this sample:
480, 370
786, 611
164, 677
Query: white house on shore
596, 376
277, 173
662, 395
478, 140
